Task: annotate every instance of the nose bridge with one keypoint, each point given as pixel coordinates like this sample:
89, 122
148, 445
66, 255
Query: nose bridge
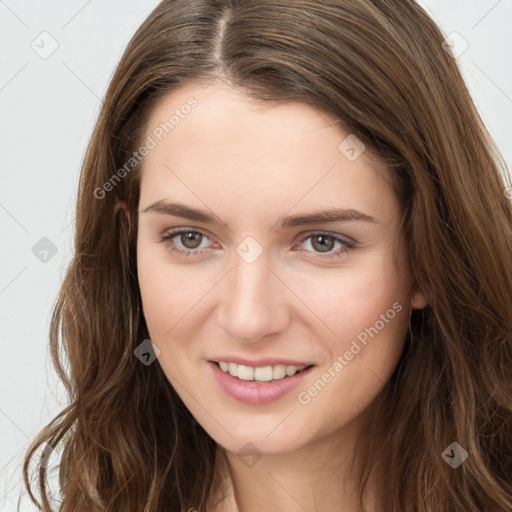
252, 304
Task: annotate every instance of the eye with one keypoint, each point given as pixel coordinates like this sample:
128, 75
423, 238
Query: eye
324, 243
190, 240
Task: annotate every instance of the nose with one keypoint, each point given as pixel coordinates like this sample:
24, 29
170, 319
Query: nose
253, 300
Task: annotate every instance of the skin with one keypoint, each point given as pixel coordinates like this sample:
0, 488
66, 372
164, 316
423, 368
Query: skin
251, 164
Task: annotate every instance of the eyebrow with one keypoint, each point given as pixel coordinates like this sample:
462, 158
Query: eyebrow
325, 216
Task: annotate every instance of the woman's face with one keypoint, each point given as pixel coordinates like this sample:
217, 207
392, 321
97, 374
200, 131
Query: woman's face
262, 283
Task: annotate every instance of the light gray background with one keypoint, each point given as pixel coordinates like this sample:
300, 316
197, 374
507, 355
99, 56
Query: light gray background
48, 107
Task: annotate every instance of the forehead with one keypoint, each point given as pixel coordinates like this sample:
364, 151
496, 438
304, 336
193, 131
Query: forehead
216, 142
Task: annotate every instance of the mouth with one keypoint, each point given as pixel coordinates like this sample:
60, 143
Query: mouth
261, 374
265, 389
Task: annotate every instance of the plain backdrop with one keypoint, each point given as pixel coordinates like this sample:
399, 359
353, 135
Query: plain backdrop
49, 103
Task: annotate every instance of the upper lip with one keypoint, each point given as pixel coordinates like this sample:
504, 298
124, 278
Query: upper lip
264, 361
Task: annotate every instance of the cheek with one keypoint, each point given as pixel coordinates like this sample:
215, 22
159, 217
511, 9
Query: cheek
370, 326
169, 292
348, 300
367, 313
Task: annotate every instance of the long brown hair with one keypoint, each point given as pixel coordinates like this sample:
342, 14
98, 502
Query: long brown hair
127, 441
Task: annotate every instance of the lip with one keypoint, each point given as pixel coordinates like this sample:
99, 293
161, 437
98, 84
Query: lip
255, 393
257, 363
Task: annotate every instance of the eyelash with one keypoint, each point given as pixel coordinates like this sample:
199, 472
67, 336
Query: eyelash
167, 237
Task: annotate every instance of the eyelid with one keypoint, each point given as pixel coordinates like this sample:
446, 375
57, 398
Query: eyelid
345, 238
173, 232
186, 229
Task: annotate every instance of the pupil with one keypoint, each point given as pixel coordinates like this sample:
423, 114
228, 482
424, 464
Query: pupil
323, 246
189, 237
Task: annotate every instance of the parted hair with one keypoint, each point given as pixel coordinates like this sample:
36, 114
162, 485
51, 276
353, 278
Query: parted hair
126, 442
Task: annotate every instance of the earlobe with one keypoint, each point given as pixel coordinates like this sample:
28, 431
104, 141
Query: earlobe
418, 300
121, 205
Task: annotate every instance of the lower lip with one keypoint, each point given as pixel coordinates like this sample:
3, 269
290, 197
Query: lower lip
255, 393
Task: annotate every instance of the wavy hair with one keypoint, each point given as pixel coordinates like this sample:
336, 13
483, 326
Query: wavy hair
127, 442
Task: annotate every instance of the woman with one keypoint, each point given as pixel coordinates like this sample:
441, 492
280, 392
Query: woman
339, 337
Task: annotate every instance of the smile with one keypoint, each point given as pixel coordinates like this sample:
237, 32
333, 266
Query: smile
260, 374
258, 392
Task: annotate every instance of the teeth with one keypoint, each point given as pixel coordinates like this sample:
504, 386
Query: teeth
260, 374
233, 369
246, 372
278, 371
291, 370
263, 374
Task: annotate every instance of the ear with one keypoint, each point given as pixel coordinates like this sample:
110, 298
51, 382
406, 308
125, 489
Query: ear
418, 300
121, 205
